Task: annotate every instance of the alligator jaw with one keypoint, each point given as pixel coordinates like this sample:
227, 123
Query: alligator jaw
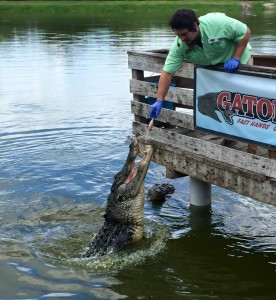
145, 160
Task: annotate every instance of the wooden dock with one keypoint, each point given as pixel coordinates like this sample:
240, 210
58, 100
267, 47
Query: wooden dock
186, 151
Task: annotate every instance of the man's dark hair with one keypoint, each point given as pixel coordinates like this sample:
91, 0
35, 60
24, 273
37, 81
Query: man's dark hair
183, 18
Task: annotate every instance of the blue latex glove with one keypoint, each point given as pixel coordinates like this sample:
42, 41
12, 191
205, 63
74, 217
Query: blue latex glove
231, 64
155, 109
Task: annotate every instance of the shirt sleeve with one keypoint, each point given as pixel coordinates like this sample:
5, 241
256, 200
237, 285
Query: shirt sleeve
175, 58
235, 30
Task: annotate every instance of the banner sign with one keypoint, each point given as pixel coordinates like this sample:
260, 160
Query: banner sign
239, 104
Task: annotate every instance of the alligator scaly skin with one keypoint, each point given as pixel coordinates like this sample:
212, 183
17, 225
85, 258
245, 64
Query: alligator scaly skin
124, 217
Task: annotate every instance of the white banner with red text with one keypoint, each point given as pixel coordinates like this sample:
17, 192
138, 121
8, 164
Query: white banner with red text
239, 104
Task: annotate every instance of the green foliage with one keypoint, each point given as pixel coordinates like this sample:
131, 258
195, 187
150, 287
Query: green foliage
128, 12
86, 7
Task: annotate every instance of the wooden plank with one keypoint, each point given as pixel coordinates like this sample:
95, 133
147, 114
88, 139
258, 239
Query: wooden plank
139, 62
250, 69
253, 185
177, 95
138, 75
166, 115
264, 60
162, 53
154, 63
143, 88
243, 161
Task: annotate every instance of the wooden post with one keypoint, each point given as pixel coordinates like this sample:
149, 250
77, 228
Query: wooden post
200, 192
139, 75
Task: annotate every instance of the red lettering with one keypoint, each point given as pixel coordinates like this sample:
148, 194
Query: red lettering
237, 105
247, 106
224, 101
274, 111
250, 102
264, 109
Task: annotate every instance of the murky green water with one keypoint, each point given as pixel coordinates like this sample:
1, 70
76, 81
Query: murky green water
65, 115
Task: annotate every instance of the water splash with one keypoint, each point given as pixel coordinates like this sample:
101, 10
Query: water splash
68, 251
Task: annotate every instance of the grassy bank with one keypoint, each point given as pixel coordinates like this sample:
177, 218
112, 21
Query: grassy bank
130, 14
91, 7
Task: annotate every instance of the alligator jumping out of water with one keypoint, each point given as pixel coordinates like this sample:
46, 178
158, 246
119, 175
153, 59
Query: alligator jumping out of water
124, 217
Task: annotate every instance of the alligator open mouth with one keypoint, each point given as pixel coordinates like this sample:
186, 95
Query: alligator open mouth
134, 169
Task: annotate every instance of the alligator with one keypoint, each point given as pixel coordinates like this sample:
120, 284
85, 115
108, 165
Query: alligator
160, 191
124, 215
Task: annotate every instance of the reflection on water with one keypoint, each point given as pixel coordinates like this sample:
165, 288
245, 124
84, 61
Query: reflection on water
65, 114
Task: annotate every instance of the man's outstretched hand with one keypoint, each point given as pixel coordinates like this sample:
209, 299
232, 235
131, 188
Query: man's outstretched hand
155, 109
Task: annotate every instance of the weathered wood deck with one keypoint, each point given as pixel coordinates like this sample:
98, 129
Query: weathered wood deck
185, 151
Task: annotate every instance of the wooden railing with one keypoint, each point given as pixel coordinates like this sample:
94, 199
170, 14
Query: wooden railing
185, 151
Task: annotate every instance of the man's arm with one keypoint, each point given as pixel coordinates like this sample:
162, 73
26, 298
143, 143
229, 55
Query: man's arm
233, 63
164, 84
240, 46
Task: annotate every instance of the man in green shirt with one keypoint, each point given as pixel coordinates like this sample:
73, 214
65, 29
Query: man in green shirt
208, 40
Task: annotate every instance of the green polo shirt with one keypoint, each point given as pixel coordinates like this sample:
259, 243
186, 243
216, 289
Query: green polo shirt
219, 35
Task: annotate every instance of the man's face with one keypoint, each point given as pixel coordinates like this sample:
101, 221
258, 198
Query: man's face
188, 37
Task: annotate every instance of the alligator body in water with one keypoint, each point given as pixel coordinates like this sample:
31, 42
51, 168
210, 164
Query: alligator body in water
124, 217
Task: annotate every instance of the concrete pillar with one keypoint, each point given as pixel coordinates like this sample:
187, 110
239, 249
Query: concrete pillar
200, 192
200, 218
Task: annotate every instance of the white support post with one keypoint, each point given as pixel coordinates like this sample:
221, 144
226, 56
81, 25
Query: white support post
200, 192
